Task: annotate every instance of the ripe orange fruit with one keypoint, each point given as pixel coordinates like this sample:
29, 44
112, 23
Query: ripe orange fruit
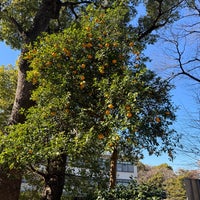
115, 44
114, 61
34, 81
129, 114
110, 106
157, 119
101, 71
127, 107
89, 35
89, 45
54, 54
107, 112
131, 44
75, 72
83, 66
82, 77
100, 46
87, 28
89, 56
53, 113
100, 136
107, 45
67, 52
30, 151
48, 63
67, 110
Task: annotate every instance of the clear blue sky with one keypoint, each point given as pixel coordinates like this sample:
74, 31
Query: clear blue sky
182, 97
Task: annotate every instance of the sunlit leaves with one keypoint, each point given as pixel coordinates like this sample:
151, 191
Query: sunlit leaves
8, 81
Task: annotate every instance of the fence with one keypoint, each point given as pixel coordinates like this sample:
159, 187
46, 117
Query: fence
192, 189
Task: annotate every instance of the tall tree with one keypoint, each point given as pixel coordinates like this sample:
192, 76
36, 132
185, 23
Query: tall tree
93, 90
23, 21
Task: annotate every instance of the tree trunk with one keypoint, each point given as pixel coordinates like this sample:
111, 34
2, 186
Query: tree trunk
55, 179
10, 181
9, 185
113, 169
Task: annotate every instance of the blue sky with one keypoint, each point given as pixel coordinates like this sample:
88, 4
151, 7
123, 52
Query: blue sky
183, 97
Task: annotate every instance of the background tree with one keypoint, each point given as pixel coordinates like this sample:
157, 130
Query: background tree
8, 82
182, 39
23, 21
182, 48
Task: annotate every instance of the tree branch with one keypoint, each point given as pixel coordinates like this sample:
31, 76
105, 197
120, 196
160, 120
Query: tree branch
37, 171
155, 24
69, 3
181, 65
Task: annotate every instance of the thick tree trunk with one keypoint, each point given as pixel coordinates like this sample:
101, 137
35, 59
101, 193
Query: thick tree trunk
55, 179
9, 185
113, 169
10, 181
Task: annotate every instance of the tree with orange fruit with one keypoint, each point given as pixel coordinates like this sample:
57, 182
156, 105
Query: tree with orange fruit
63, 79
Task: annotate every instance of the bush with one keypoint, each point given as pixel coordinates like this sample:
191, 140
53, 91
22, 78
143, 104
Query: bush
134, 191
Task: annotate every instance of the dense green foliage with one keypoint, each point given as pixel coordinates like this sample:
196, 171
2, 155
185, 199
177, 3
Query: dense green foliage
134, 191
8, 82
92, 84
